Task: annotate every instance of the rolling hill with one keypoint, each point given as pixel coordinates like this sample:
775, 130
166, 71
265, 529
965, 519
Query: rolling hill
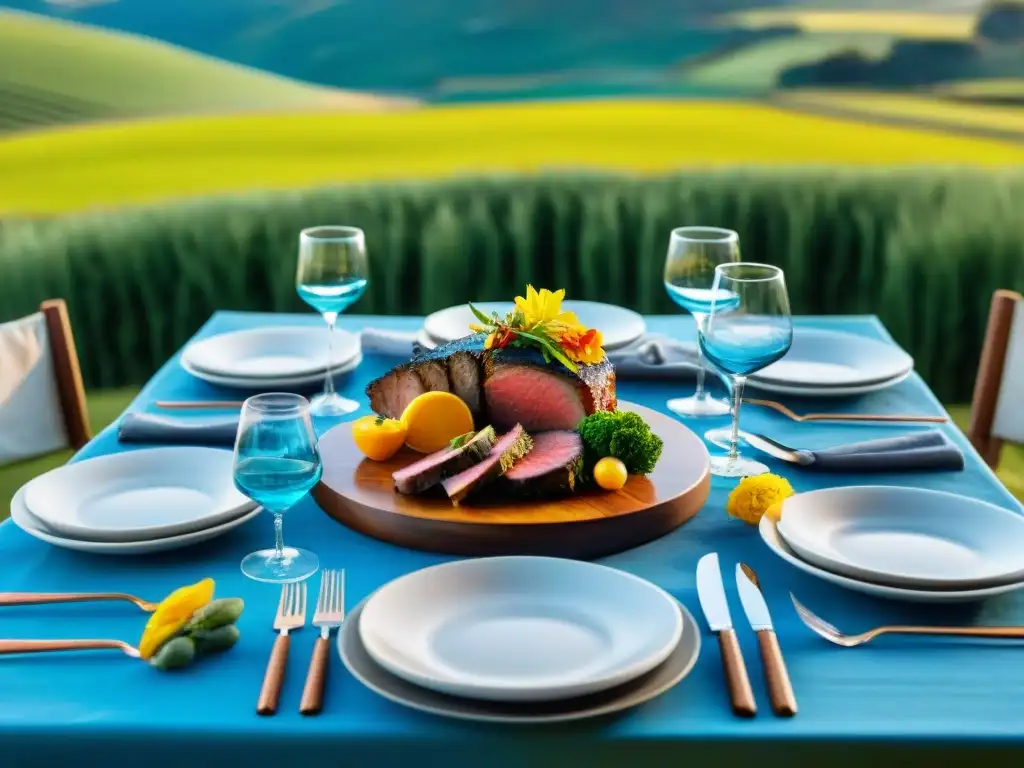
55, 72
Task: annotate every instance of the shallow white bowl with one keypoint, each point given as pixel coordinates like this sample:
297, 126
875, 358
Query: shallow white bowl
820, 358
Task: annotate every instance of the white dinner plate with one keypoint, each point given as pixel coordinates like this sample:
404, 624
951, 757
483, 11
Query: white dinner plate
821, 358
770, 535
266, 384
138, 495
618, 326
631, 694
800, 391
906, 537
274, 353
520, 628
24, 519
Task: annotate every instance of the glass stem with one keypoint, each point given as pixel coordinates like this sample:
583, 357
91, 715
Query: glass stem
331, 318
278, 536
700, 394
737, 401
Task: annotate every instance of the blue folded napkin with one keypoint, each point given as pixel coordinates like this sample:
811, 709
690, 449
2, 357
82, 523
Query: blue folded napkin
930, 450
150, 428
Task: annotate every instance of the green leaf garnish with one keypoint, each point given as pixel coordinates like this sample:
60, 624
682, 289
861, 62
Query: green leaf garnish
484, 319
552, 348
460, 440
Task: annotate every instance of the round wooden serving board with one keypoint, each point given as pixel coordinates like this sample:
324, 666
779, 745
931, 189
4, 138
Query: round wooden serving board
359, 493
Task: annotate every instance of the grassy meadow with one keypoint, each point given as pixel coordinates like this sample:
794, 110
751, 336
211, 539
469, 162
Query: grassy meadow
922, 24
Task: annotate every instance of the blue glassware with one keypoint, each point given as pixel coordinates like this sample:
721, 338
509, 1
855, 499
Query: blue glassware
330, 277
748, 328
277, 463
693, 254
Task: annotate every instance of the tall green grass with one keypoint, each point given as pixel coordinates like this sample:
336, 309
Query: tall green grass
923, 249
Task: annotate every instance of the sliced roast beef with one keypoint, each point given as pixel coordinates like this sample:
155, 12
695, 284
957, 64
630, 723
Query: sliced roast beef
431, 470
464, 379
550, 469
433, 375
510, 448
521, 388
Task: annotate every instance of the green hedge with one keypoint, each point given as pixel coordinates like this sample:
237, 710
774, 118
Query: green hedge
923, 249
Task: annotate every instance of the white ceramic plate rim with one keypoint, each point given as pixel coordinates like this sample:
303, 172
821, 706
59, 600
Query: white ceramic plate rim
816, 549
890, 359
180, 462
26, 521
771, 537
265, 384
197, 353
614, 336
625, 700
464, 685
864, 389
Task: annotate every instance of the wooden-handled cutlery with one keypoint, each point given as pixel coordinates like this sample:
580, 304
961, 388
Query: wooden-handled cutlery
330, 611
291, 614
780, 689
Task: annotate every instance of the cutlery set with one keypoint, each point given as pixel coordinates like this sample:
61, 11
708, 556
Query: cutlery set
711, 593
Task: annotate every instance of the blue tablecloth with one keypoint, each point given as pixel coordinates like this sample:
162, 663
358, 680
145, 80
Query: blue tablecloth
870, 703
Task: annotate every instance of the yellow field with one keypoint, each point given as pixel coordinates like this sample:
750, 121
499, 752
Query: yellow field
117, 164
955, 115
948, 26
1005, 88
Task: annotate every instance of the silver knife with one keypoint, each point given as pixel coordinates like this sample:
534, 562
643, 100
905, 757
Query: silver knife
778, 450
780, 689
711, 593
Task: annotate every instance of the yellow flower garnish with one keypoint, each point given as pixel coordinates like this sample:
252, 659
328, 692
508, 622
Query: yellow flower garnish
583, 346
754, 496
172, 614
544, 308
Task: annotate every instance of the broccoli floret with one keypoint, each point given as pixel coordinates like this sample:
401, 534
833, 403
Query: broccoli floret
622, 434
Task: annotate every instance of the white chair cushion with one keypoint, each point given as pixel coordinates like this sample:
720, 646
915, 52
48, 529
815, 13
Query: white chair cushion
1008, 423
31, 419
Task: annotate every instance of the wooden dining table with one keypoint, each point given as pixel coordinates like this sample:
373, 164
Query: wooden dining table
894, 702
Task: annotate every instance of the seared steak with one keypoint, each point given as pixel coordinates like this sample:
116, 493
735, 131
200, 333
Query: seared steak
432, 469
521, 388
510, 448
506, 387
550, 469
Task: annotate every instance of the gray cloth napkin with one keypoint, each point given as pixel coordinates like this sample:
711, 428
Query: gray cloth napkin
930, 450
653, 356
138, 427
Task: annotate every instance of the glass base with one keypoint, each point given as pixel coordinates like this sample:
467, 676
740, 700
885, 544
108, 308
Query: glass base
296, 565
723, 466
332, 405
698, 406
719, 436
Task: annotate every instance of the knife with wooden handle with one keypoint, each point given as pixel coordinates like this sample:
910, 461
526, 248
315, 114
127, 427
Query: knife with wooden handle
780, 689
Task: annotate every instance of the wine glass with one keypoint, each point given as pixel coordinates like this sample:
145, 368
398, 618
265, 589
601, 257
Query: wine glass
331, 276
277, 463
693, 254
748, 328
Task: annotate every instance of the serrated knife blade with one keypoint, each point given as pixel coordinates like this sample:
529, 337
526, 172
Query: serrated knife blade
711, 593
780, 689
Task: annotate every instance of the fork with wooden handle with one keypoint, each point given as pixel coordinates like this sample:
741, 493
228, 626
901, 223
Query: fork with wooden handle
291, 614
330, 610
890, 417
43, 598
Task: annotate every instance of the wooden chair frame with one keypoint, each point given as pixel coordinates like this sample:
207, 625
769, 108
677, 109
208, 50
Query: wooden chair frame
67, 372
990, 375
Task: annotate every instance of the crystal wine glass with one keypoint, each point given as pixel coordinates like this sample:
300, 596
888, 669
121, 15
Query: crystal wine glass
277, 463
693, 254
331, 276
748, 328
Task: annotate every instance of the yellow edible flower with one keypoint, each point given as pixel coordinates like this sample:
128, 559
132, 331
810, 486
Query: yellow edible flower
583, 346
544, 308
172, 614
754, 496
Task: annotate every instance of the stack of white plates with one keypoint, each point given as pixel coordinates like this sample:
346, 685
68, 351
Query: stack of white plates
833, 364
619, 327
267, 358
519, 639
902, 543
135, 502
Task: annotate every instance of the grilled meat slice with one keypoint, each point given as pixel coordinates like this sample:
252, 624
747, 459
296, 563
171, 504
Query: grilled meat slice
549, 470
510, 448
431, 470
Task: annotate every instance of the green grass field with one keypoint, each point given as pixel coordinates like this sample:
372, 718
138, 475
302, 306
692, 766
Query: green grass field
105, 407
921, 24
146, 161
53, 73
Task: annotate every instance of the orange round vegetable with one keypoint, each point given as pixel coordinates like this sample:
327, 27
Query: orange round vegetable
433, 419
378, 438
610, 473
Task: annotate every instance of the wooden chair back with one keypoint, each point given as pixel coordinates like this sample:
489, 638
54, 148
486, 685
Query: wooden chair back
42, 400
997, 410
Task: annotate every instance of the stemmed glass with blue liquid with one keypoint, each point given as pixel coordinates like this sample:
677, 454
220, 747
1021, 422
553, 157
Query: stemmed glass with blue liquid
693, 254
331, 276
277, 463
748, 328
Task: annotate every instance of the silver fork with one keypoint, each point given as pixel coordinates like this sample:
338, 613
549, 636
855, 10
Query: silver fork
330, 611
821, 627
291, 614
